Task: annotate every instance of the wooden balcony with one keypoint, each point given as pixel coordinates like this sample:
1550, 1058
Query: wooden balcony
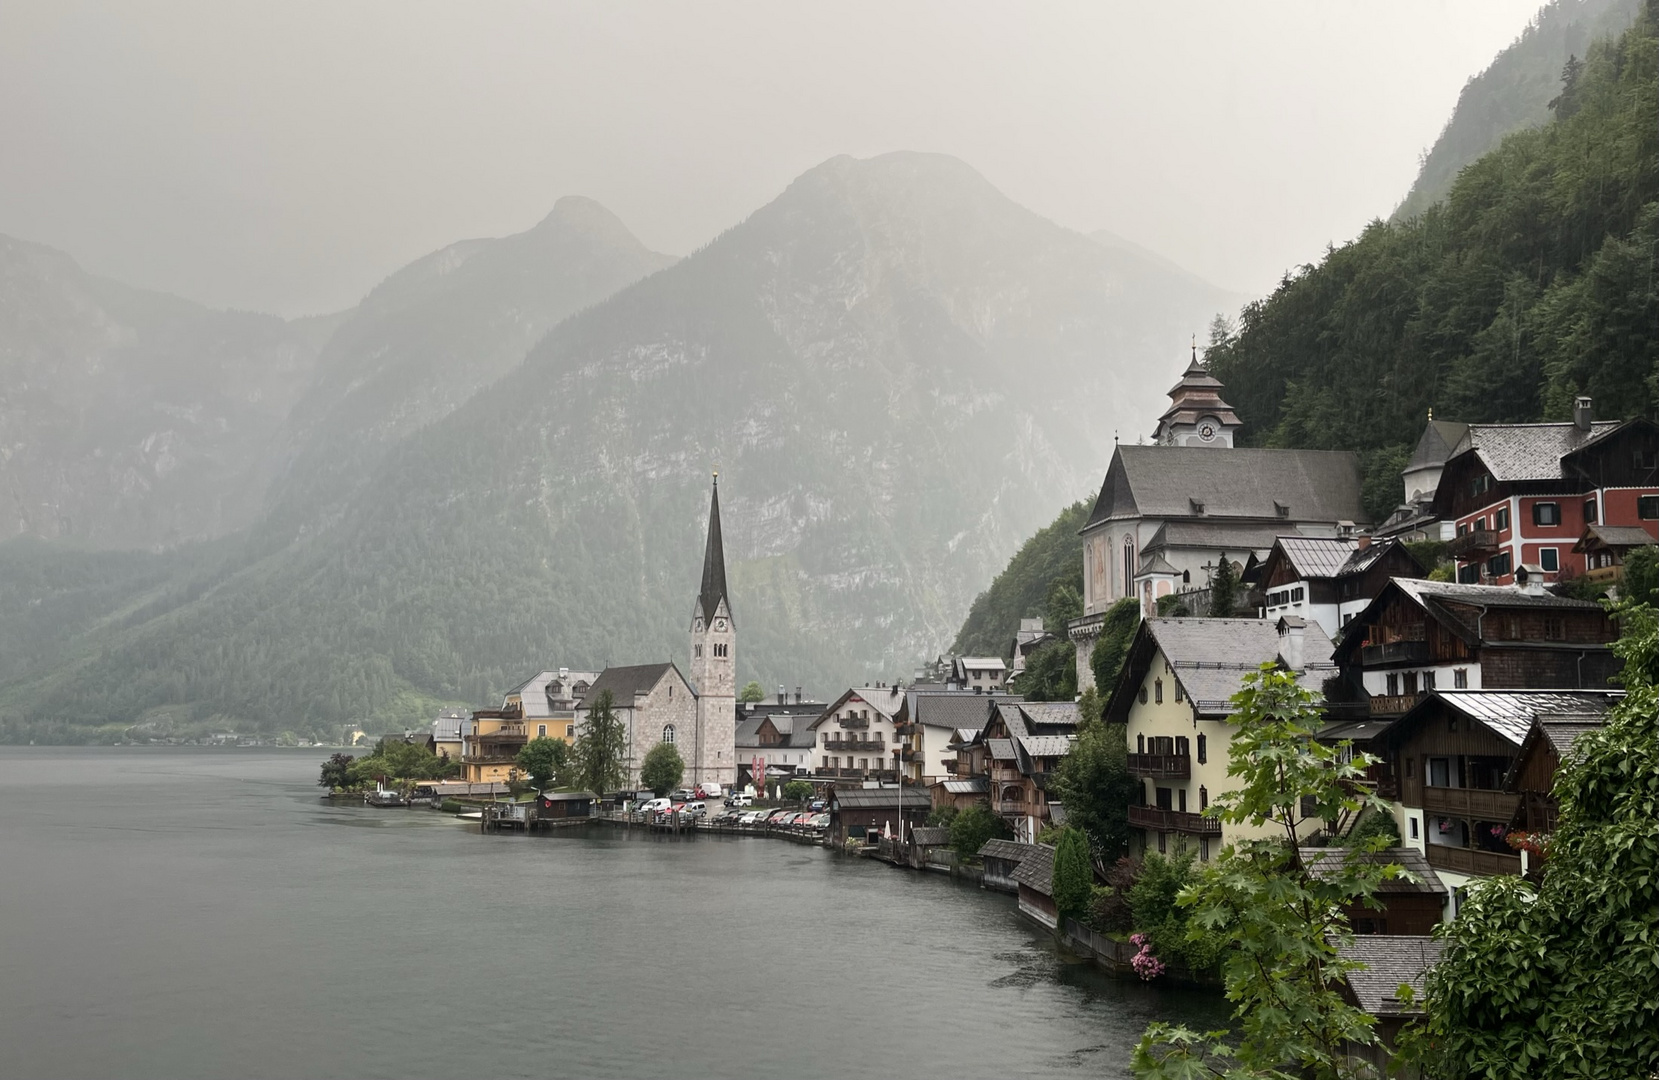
1151, 817
1471, 803
1472, 861
1394, 704
907, 754
1161, 766
1474, 544
856, 746
1603, 575
1394, 652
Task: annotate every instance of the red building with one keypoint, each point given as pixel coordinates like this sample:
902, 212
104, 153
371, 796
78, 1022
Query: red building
1523, 494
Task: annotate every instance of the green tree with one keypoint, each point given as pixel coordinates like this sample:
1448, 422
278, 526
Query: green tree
543, 761
1062, 604
1055, 553
1050, 673
1278, 927
973, 827
1073, 881
599, 761
1640, 581
337, 771
752, 691
1117, 633
662, 769
1094, 784
1562, 979
797, 791
1223, 589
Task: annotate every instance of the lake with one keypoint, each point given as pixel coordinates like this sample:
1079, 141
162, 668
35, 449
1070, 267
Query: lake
186, 912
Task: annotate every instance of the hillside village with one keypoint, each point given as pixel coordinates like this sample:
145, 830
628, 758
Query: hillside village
1467, 675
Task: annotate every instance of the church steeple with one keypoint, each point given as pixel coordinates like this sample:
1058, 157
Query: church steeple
714, 563
1197, 416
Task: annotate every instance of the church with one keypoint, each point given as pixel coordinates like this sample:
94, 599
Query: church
1169, 511
698, 715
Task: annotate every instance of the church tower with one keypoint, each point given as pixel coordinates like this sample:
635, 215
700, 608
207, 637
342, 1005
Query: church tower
713, 753
1196, 415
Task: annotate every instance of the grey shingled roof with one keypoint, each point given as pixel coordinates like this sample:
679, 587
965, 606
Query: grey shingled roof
1507, 596
1001, 749
1163, 481
1220, 535
1562, 733
1011, 850
953, 708
930, 836
1046, 745
1051, 713
1619, 535
1437, 444
877, 798
1212, 656
625, 682
1036, 870
979, 785
1390, 960
1510, 713
1315, 556
1322, 862
1360, 559
1514, 452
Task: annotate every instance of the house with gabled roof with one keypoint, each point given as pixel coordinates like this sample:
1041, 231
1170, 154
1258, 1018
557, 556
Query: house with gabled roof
1415, 518
548, 701
1552, 740
1605, 547
1453, 754
855, 737
1523, 494
1417, 636
1329, 579
1173, 699
655, 703
1382, 965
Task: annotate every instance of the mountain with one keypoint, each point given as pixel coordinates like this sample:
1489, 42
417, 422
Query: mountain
1020, 591
895, 370
1514, 92
135, 419
438, 331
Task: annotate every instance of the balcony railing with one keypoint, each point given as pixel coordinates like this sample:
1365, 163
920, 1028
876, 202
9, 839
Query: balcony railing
865, 746
907, 754
1161, 766
1394, 704
827, 773
1470, 802
1472, 861
1015, 807
1475, 542
1151, 817
1394, 652
1603, 575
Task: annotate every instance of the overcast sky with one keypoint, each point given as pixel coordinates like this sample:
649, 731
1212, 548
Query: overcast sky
288, 156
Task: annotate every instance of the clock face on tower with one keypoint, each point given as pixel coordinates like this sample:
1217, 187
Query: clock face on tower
720, 624
1206, 431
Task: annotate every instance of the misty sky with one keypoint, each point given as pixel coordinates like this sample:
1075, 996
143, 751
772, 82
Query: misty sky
288, 156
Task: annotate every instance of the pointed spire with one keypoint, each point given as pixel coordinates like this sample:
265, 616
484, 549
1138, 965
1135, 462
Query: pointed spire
714, 561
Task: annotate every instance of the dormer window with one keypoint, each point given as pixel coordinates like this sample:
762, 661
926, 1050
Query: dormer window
1281, 509
1197, 507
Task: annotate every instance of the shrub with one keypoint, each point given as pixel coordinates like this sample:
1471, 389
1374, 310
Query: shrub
973, 827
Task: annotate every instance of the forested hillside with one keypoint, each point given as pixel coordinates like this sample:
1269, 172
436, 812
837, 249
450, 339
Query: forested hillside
1515, 91
1537, 280
1054, 553
1533, 282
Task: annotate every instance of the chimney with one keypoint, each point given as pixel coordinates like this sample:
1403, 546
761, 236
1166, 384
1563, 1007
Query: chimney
797, 695
1364, 542
1293, 643
1530, 579
783, 699
1584, 413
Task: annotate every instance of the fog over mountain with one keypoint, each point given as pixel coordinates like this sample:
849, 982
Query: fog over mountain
894, 367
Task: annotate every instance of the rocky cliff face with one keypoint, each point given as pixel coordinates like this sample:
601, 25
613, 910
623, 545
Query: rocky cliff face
132, 419
898, 372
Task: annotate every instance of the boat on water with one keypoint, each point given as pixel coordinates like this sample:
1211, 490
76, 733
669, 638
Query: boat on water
384, 796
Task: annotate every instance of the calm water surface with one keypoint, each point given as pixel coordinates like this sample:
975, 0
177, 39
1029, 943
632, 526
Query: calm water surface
200, 913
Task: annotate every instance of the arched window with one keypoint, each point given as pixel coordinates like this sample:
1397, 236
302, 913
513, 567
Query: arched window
668, 734
1158, 685
1203, 749
1128, 566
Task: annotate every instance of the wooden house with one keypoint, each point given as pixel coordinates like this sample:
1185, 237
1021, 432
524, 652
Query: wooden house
855, 811
1403, 905
1034, 879
1453, 754
1532, 776
563, 805
1418, 636
1389, 962
1001, 858
1604, 547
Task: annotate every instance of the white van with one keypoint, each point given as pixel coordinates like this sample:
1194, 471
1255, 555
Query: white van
654, 806
708, 789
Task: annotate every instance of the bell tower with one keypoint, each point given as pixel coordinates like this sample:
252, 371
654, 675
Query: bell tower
1196, 415
713, 753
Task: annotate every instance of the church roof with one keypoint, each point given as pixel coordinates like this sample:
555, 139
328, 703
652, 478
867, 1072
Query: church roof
1205, 483
1198, 394
1436, 444
714, 563
625, 682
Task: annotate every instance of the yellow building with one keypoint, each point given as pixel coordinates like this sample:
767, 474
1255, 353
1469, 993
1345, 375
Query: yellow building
490, 745
549, 702
1172, 697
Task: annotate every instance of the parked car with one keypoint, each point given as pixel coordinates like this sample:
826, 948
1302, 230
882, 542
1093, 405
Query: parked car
820, 821
740, 800
696, 809
655, 806
682, 795
818, 804
777, 816
751, 817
